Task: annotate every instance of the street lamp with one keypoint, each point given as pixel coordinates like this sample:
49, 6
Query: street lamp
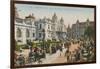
44, 53
43, 38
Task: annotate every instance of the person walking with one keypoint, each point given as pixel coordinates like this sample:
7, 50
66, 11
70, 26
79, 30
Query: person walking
21, 60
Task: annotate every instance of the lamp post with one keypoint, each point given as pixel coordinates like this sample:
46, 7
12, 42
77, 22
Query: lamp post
44, 53
43, 38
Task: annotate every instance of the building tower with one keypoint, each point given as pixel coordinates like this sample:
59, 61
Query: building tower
54, 18
61, 24
54, 26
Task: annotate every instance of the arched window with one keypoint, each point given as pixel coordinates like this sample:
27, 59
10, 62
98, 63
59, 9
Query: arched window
40, 26
27, 33
19, 33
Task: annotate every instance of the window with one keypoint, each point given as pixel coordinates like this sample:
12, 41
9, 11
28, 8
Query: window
40, 26
33, 34
19, 41
27, 33
39, 34
19, 33
48, 27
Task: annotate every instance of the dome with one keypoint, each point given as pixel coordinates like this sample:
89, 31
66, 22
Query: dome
30, 16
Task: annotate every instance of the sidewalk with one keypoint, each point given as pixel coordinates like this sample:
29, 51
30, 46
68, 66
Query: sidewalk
51, 58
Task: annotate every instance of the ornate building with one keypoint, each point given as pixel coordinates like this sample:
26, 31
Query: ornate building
51, 29
77, 30
25, 29
31, 29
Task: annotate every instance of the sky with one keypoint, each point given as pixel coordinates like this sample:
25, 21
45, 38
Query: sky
69, 14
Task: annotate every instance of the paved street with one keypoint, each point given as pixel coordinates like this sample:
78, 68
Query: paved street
55, 58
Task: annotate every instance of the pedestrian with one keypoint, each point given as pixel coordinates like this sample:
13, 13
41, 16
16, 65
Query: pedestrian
60, 50
77, 55
73, 56
21, 60
35, 55
68, 56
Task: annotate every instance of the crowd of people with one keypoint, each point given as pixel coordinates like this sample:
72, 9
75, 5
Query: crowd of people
84, 53
34, 55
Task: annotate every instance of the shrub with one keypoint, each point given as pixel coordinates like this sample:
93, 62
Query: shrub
25, 46
17, 47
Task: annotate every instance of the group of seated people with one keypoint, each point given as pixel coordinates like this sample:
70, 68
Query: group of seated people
34, 55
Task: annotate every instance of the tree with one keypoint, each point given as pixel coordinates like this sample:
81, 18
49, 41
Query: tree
89, 32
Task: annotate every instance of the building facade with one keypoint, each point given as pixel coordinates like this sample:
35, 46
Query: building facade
77, 30
50, 29
31, 29
25, 29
